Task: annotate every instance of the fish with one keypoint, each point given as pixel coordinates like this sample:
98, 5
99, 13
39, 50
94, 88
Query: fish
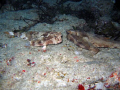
90, 41
39, 38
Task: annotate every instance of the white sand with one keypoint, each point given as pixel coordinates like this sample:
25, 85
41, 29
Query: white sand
59, 68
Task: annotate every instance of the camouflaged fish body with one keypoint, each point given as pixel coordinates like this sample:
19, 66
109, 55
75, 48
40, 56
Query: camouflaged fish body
90, 41
40, 38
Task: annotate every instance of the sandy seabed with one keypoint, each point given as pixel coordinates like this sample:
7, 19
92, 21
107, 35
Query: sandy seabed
62, 67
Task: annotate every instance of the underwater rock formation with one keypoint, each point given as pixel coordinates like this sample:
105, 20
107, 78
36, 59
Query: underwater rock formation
90, 41
104, 26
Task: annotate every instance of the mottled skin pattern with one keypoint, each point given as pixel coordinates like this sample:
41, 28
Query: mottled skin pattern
89, 41
45, 38
38, 38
